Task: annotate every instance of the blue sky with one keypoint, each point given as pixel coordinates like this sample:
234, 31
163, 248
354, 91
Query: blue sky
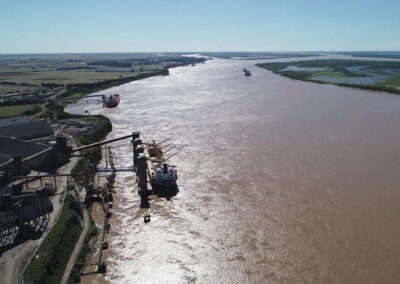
202, 25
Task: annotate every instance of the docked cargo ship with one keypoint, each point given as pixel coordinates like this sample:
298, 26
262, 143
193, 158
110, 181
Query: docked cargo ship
111, 101
163, 180
162, 175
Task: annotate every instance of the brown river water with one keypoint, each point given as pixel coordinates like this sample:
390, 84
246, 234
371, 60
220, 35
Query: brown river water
281, 181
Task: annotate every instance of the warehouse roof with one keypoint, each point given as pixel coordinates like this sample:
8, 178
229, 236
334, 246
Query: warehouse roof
27, 130
10, 147
14, 121
4, 158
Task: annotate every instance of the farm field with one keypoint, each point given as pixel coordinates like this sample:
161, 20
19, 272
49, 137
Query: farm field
15, 110
31, 76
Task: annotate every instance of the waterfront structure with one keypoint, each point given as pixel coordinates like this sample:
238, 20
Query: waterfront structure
40, 157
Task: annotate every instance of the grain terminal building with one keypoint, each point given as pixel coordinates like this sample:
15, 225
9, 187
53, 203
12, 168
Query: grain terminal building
25, 213
25, 129
16, 150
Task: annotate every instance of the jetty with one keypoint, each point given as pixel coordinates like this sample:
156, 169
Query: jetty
154, 176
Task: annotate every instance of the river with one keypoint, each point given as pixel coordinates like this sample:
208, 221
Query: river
280, 180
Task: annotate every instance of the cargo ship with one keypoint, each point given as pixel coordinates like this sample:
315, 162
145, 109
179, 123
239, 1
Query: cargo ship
163, 180
111, 101
163, 176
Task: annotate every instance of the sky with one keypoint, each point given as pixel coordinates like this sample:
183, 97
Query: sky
44, 26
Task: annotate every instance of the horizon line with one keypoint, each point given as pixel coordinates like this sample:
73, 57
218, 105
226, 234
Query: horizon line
195, 52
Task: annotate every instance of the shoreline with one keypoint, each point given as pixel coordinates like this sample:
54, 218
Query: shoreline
96, 216
278, 68
17, 254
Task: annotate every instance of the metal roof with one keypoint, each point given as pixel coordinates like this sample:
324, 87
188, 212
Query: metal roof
15, 147
4, 158
27, 130
14, 121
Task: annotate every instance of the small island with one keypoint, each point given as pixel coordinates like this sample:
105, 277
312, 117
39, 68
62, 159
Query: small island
365, 74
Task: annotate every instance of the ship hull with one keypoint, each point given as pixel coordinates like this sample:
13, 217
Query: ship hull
112, 101
166, 190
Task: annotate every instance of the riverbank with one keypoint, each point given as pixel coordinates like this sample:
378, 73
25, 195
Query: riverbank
362, 74
74, 92
54, 111
30, 82
314, 166
88, 164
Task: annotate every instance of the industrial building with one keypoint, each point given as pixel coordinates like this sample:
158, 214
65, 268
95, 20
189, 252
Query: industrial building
23, 128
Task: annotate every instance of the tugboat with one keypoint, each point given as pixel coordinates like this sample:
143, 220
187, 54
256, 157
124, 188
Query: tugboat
111, 101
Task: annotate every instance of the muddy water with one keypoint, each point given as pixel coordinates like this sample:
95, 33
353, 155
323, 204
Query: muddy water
281, 181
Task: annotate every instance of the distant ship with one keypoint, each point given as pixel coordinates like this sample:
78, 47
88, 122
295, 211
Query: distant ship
247, 73
111, 101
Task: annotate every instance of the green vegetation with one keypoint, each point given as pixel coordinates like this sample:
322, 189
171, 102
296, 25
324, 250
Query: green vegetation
35, 72
381, 54
365, 74
16, 110
332, 63
99, 132
30, 80
22, 79
391, 82
87, 164
5, 88
79, 90
75, 276
296, 75
257, 55
55, 251
54, 111
91, 157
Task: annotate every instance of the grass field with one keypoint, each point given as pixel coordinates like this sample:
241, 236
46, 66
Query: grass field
13, 89
58, 73
7, 111
64, 77
42, 72
393, 82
